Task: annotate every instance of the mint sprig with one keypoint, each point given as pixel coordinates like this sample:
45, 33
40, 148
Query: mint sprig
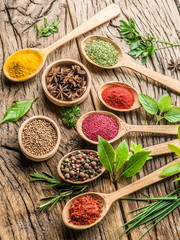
48, 28
161, 109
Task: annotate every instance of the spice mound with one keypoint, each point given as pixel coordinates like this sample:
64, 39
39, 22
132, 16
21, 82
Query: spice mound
39, 137
81, 166
100, 124
118, 97
85, 210
102, 52
66, 83
22, 64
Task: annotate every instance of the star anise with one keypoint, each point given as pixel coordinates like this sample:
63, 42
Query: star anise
66, 83
174, 65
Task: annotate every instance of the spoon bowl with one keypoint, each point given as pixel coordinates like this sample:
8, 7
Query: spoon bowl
136, 103
78, 182
108, 199
40, 53
124, 128
124, 61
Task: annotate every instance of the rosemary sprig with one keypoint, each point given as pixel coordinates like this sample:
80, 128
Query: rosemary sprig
66, 189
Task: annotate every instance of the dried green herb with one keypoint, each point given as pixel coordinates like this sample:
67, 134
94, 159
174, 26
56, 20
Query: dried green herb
102, 52
17, 110
66, 189
69, 115
141, 46
48, 28
162, 109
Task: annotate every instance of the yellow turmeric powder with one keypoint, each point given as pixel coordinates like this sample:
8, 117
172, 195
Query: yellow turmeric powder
23, 63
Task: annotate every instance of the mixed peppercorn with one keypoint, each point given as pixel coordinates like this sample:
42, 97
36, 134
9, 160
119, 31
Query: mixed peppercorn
81, 166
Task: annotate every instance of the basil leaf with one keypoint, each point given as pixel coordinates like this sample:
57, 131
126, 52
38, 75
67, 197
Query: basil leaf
171, 170
122, 154
179, 132
135, 163
16, 111
148, 103
173, 115
177, 179
134, 147
106, 154
174, 148
164, 103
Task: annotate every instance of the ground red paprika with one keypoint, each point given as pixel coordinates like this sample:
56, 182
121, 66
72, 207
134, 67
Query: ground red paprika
118, 97
100, 124
85, 210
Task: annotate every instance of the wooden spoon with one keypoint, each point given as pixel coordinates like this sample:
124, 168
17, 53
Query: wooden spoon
124, 61
108, 199
136, 103
125, 128
103, 16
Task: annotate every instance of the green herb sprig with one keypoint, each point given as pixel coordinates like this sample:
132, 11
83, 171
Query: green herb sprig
17, 110
152, 214
141, 46
66, 189
69, 115
48, 28
114, 160
161, 109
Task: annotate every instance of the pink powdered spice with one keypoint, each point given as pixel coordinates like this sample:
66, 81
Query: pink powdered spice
100, 124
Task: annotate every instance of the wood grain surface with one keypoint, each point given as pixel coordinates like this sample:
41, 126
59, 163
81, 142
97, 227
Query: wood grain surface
19, 217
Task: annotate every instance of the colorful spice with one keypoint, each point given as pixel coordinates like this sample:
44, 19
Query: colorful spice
102, 52
81, 166
100, 125
39, 137
22, 64
118, 97
66, 83
85, 210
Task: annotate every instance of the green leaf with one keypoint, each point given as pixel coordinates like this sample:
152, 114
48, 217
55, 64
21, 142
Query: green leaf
177, 179
121, 155
171, 170
16, 111
159, 117
134, 147
179, 132
106, 154
148, 103
48, 28
135, 163
173, 115
164, 103
174, 148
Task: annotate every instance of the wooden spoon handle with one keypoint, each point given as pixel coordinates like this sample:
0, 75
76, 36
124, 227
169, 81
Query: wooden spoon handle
166, 129
158, 77
162, 148
101, 17
139, 184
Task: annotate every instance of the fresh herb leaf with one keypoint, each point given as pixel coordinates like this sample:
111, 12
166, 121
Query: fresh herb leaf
179, 132
135, 148
164, 103
177, 179
175, 149
16, 111
171, 170
149, 104
48, 28
135, 163
173, 115
141, 46
121, 155
69, 115
106, 154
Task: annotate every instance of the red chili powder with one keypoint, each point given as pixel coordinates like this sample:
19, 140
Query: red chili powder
118, 97
85, 210
100, 124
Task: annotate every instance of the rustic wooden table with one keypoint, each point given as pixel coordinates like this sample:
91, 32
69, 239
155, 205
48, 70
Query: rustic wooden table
19, 217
